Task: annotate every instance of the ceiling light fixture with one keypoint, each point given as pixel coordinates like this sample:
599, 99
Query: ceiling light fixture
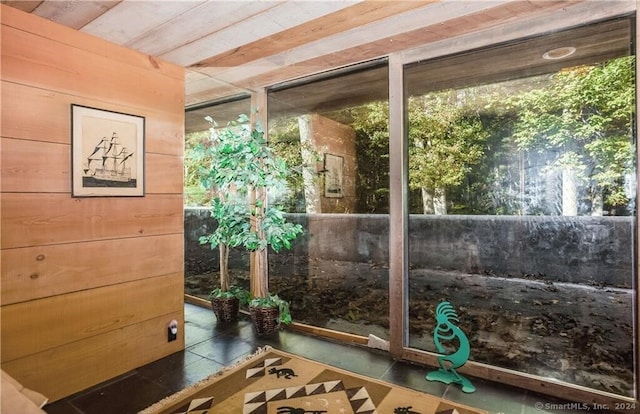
559, 53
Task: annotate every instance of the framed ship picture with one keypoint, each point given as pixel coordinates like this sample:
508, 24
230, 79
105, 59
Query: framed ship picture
333, 176
107, 153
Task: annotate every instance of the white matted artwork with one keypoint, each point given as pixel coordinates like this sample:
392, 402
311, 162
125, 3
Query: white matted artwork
107, 153
333, 176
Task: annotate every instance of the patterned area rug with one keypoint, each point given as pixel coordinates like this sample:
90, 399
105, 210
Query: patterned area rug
275, 382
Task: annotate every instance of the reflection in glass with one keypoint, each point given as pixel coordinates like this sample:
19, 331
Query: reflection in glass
202, 263
522, 209
334, 135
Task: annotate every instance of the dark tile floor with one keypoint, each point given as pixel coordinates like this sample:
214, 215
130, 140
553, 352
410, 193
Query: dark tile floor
208, 349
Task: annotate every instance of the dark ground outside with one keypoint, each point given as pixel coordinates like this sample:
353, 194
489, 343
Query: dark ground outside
579, 334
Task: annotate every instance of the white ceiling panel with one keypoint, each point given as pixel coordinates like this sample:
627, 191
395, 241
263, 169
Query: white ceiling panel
75, 14
130, 19
203, 20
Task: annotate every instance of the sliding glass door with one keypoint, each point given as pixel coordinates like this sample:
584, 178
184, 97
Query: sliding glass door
333, 132
522, 204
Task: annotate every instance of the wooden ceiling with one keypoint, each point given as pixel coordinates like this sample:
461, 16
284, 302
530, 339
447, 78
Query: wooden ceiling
231, 47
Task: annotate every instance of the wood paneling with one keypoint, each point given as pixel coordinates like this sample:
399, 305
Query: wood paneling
115, 24
77, 365
57, 320
89, 285
37, 272
37, 166
21, 103
196, 23
164, 174
67, 36
24, 5
251, 25
49, 64
43, 115
74, 14
30, 219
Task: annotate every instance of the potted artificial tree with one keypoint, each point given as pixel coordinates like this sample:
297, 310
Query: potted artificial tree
231, 215
227, 211
242, 168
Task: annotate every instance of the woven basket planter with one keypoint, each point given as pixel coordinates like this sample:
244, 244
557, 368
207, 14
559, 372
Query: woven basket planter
226, 309
266, 321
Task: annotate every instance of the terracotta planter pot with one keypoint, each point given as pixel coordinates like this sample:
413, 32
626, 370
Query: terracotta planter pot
265, 320
226, 309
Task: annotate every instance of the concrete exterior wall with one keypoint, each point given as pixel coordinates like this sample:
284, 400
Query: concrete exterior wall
596, 250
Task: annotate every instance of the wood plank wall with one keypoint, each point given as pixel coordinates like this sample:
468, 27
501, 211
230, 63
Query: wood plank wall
88, 285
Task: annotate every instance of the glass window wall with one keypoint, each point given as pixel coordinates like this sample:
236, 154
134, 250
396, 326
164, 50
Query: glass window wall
333, 132
202, 263
522, 201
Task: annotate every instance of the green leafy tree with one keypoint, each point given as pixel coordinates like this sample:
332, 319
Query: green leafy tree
284, 138
371, 123
241, 164
445, 140
195, 193
584, 116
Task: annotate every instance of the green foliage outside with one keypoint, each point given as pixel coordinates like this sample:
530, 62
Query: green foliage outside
488, 149
195, 192
585, 116
445, 139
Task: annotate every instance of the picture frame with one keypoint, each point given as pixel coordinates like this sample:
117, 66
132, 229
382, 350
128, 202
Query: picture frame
333, 176
107, 153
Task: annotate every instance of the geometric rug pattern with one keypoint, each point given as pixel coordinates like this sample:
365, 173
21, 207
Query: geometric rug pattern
359, 400
275, 382
259, 369
196, 406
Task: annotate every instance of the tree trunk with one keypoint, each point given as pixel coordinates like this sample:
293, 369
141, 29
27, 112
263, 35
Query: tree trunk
259, 270
224, 266
427, 201
311, 185
259, 259
569, 193
440, 202
260, 274
434, 201
597, 203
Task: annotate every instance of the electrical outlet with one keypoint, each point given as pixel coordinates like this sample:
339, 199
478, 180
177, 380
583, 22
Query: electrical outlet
172, 331
171, 336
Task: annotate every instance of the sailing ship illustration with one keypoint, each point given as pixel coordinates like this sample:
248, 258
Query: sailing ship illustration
333, 185
108, 161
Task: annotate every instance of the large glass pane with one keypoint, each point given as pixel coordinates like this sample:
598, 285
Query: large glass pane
202, 264
333, 133
522, 182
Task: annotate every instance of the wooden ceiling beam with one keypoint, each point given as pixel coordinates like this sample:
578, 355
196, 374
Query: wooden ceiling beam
344, 51
341, 21
273, 20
